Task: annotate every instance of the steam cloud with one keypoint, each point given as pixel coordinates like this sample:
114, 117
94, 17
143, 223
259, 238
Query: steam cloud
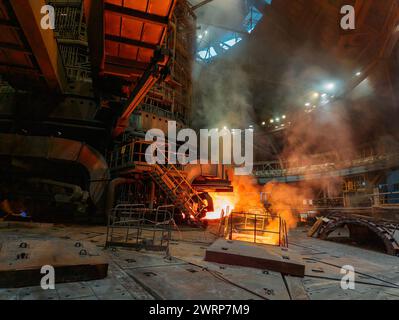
266, 75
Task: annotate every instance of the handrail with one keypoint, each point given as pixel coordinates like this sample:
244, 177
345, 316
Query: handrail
247, 227
176, 170
171, 175
189, 193
268, 169
127, 224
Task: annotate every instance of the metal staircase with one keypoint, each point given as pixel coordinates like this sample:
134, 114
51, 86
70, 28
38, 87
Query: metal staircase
178, 190
167, 176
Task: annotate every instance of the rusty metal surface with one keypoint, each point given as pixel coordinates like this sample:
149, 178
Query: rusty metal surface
21, 261
185, 274
246, 254
124, 35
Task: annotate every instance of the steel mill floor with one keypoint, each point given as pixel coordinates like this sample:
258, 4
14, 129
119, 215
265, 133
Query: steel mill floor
148, 275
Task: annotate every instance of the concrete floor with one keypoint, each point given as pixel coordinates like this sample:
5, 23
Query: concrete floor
150, 275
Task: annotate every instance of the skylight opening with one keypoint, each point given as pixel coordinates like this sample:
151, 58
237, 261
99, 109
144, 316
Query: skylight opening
252, 19
224, 46
233, 42
212, 42
207, 54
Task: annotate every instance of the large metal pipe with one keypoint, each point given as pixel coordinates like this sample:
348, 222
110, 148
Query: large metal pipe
50, 148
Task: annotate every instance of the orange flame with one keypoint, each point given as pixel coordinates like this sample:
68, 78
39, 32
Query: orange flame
281, 198
221, 202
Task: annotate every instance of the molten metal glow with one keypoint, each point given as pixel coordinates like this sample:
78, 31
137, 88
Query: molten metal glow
281, 198
272, 239
221, 201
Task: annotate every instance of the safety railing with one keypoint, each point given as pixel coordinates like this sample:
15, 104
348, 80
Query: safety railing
359, 199
134, 225
173, 180
275, 169
134, 152
257, 227
180, 187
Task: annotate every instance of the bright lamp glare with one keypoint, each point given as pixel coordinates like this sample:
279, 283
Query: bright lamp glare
330, 86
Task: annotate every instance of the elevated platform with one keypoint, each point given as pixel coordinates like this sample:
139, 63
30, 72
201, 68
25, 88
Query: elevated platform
273, 171
123, 35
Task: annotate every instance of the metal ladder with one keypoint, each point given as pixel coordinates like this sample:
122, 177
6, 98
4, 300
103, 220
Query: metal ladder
178, 189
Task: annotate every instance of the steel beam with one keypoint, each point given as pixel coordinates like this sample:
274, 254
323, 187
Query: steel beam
43, 43
199, 5
136, 14
13, 47
123, 67
131, 42
156, 70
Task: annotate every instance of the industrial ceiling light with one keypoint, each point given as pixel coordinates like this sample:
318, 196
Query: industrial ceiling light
316, 95
324, 95
358, 74
271, 120
277, 119
307, 104
283, 117
330, 86
263, 123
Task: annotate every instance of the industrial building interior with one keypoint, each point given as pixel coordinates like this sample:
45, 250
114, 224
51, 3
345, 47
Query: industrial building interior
316, 219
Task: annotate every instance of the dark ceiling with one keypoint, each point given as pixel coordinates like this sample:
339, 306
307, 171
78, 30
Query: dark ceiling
294, 50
